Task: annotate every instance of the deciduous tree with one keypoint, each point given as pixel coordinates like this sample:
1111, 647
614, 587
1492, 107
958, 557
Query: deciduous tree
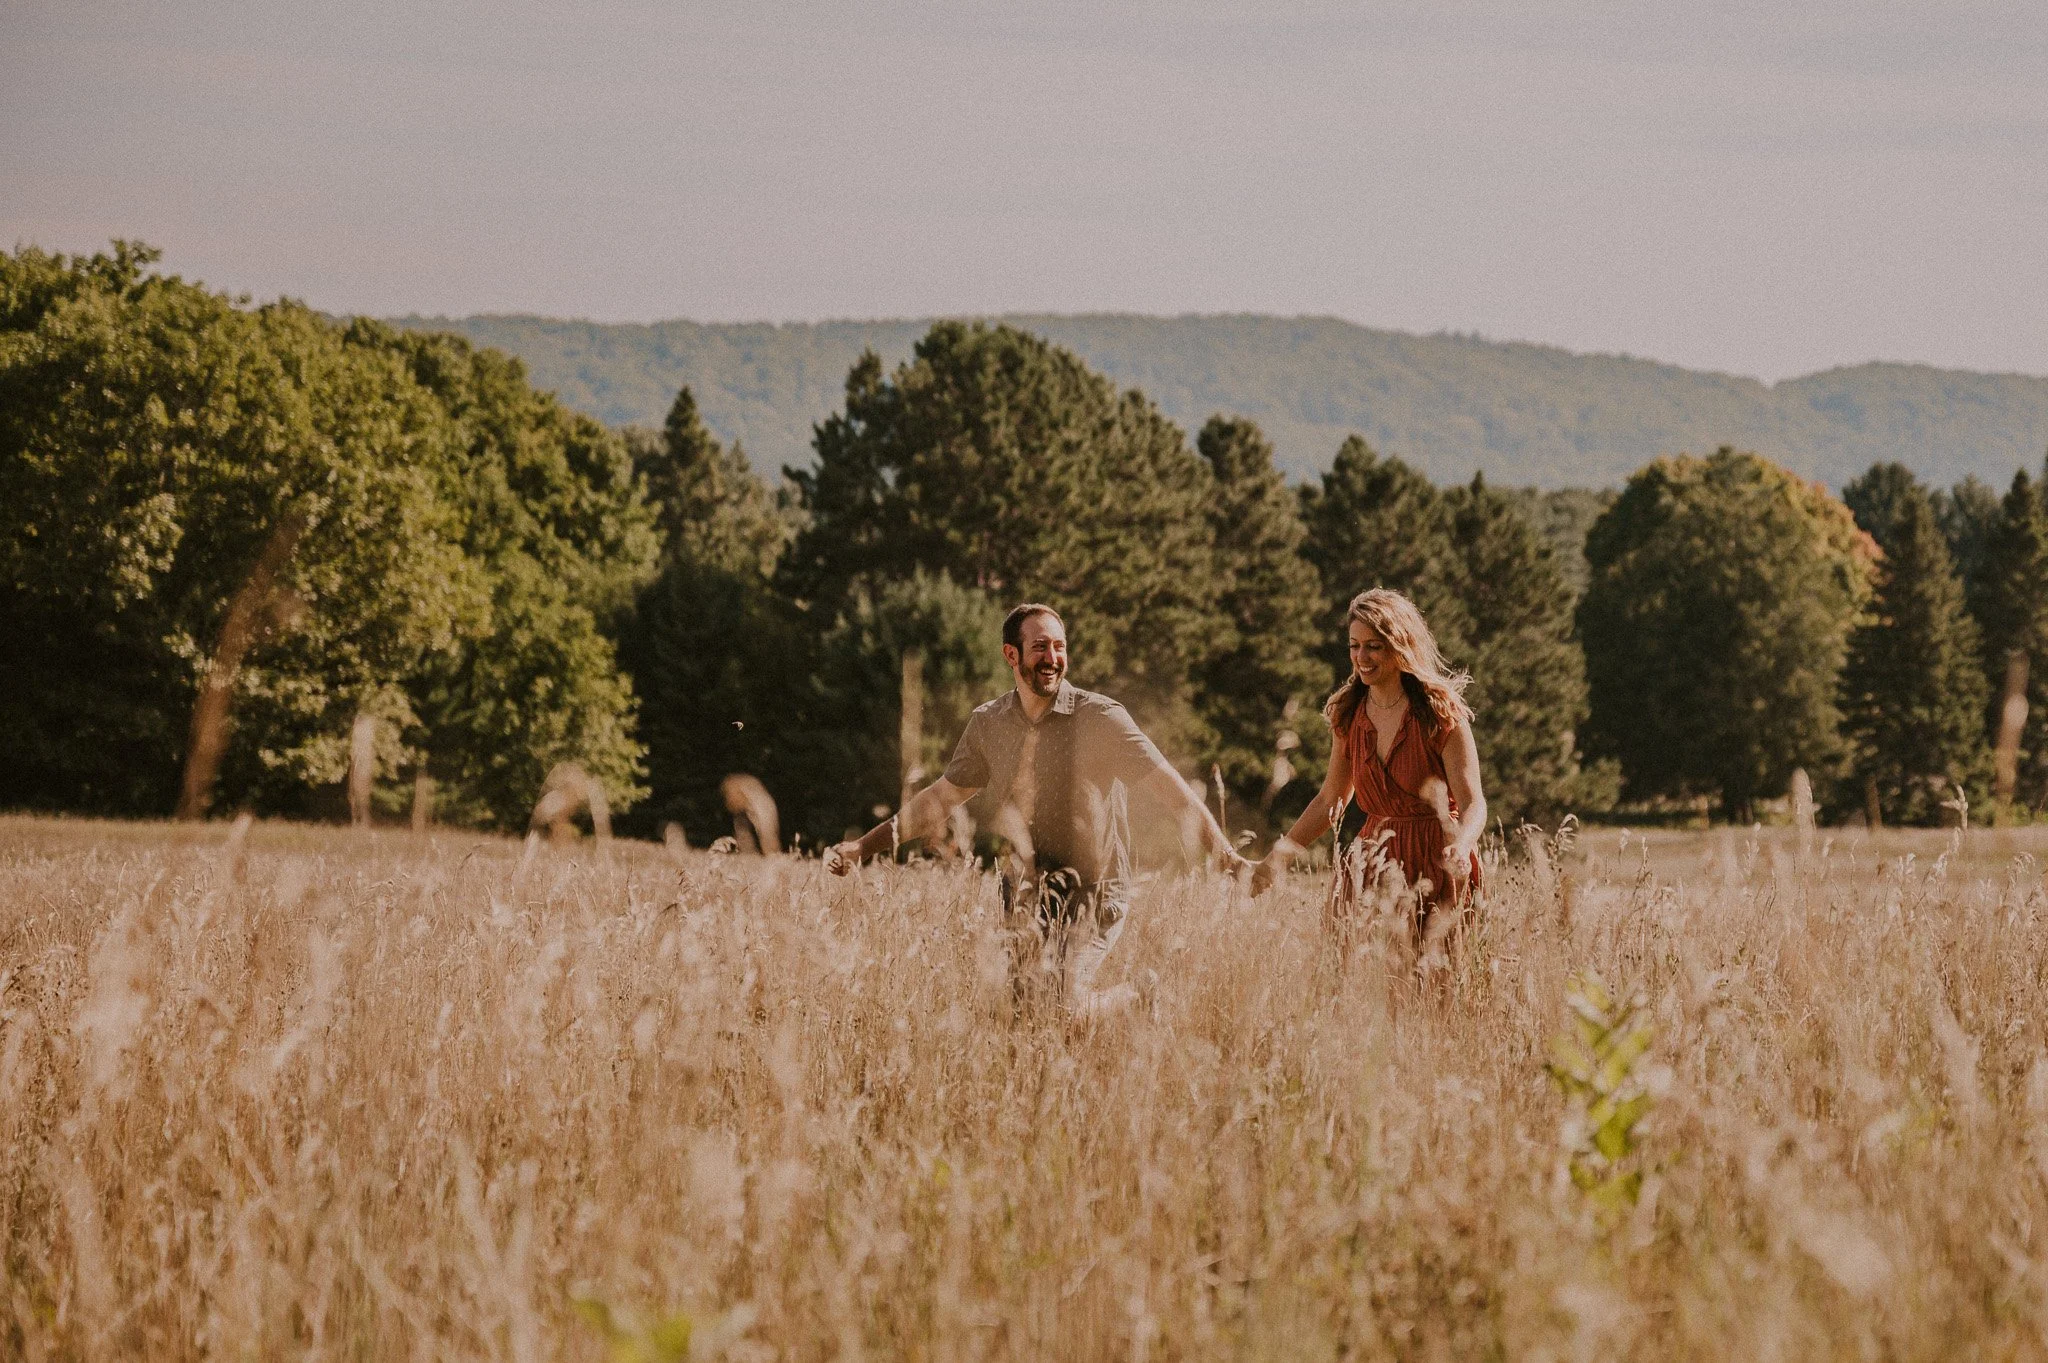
1716, 621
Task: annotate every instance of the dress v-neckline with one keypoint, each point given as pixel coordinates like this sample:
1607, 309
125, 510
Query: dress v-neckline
1400, 732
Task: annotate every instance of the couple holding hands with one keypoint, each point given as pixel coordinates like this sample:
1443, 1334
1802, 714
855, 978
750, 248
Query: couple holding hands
1056, 763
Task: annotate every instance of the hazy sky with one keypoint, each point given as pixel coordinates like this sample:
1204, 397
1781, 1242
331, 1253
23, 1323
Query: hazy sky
1767, 188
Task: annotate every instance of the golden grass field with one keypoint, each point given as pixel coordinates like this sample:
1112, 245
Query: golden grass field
372, 1095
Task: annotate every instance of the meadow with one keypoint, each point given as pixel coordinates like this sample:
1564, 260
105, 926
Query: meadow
293, 1092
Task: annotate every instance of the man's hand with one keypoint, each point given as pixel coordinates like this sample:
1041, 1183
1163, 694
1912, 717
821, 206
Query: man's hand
842, 857
1273, 863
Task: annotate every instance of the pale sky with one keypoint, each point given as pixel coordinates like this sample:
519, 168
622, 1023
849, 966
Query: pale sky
1765, 188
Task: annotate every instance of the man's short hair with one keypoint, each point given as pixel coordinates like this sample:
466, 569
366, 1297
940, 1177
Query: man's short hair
1013, 623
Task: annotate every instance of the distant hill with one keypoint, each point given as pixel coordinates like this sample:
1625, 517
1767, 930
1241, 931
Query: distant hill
1525, 414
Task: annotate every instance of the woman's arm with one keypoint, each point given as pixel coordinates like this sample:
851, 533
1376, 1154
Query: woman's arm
1461, 770
1314, 821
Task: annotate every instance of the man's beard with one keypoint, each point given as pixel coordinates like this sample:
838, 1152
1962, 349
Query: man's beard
1045, 683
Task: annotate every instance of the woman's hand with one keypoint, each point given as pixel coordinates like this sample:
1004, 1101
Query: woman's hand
1458, 864
1268, 869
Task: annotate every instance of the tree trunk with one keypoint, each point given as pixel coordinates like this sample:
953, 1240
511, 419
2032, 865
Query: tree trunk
910, 730
246, 609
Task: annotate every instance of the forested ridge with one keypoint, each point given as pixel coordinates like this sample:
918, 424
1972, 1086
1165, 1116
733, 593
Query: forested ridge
1451, 405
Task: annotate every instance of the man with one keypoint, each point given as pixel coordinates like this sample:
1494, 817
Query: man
1057, 763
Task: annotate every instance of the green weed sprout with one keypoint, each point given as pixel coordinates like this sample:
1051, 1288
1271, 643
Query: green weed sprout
1594, 1063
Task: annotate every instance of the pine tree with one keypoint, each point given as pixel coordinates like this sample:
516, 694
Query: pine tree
2014, 617
1264, 656
1005, 463
1528, 690
718, 659
1376, 522
1881, 499
1968, 515
709, 504
1913, 689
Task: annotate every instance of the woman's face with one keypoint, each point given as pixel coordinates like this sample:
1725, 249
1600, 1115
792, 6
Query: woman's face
1372, 660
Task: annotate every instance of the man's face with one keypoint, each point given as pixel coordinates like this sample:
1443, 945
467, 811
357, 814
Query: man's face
1040, 660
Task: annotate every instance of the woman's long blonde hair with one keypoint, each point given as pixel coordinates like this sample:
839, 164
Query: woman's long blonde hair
1436, 693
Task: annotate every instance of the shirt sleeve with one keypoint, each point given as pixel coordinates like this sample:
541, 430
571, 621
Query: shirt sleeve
968, 767
1131, 757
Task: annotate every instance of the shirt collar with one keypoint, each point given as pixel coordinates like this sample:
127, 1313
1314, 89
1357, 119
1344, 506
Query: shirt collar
1064, 701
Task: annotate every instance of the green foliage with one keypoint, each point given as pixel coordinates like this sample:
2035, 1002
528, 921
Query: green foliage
1882, 499
723, 669
723, 664
1003, 462
2013, 611
1263, 665
1528, 691
1913, 689
1596, 1065
1454, 404
555, 522
1716, 624
153, 435
674, 1337
957, 629
1968, 515
709, 506
1562, 518
1376, 522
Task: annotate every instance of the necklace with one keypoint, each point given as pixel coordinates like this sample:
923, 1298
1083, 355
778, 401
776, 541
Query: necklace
1384, 709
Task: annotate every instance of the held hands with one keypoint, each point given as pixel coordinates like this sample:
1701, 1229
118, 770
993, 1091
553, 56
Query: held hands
842, 857
1268, 870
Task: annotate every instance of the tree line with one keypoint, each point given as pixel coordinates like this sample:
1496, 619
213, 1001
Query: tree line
502, 585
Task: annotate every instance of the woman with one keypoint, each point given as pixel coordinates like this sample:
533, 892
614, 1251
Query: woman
1403, 750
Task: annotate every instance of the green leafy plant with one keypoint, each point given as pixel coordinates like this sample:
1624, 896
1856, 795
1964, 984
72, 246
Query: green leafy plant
670, 1338
1596, 1066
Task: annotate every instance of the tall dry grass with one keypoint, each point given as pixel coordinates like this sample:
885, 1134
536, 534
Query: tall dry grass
371, 1095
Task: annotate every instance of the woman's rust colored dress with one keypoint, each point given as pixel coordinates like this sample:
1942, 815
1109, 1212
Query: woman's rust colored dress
1408, 798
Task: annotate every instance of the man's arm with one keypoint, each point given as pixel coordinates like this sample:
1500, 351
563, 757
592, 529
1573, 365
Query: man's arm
1138, 762
924, 816
1167, 786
